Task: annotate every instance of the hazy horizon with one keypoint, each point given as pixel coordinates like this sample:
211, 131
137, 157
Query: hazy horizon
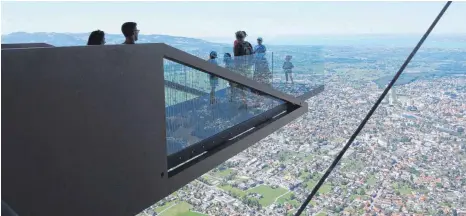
213, 19
393, 40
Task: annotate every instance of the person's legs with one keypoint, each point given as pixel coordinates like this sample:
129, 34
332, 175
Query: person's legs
232, 90
212, 96
213, 84
242, 89
255, 77
291, 77
286, 76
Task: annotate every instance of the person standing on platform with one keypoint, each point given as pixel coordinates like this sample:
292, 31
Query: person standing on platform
130, 31
228, 61
96, 37
243, 52
288, 68
260, 48
261, 66
212, 78
229, 64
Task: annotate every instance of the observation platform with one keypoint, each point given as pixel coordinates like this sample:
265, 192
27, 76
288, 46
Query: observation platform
110, 130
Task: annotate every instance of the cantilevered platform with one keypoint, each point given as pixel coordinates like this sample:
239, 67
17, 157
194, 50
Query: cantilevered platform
87, 130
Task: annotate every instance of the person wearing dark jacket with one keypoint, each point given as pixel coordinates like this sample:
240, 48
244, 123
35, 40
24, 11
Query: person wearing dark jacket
242, 51
243, 54
241, 46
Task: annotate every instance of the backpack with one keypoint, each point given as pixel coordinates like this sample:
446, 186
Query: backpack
247, 48
244, 48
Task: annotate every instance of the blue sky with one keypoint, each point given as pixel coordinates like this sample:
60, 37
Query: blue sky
222, 19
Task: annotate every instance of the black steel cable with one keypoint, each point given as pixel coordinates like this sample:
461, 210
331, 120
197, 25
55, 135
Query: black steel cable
369, 115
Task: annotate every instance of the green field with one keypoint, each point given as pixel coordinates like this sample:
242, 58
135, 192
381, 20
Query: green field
223, 173
190, 213
167, 204
309, 157
304, 175
353, 165
323, 190
180, 209
311, 184
403, 189
237, 191
287, 199
269, 194
371, 180
209, 179
321, 214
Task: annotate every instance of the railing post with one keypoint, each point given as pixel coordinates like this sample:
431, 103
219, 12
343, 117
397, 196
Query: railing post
272, 69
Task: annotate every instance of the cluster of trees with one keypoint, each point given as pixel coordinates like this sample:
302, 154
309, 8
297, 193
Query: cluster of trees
414, 171
231, 176
361, 191
204, 180
233, 194
251, 202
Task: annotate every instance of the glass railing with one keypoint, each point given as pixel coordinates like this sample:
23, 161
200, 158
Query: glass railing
276, 174
295, 71
200, 105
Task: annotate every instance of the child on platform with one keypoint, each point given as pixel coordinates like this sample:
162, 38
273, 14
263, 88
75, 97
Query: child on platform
288, 68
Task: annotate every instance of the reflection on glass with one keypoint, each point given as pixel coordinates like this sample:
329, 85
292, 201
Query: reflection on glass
200, 105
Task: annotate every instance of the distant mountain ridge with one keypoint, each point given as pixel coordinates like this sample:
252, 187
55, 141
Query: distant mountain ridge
223, 45
80, 39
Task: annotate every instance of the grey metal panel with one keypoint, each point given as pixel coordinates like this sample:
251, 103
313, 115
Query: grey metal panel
25, 45
81, 130
202, 65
